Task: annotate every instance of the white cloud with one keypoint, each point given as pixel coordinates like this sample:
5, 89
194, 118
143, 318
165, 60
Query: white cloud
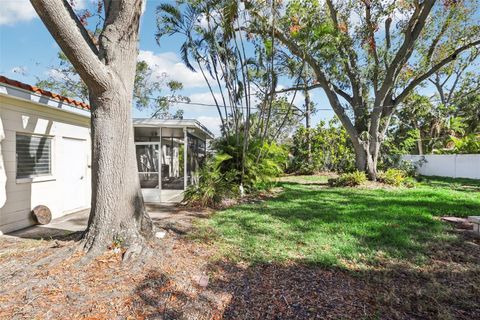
13, 11
212, 124
169, 63
55, 74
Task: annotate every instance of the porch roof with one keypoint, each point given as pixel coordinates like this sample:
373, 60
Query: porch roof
172, 123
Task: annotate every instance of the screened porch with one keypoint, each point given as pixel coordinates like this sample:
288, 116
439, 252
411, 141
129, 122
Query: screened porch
169, 155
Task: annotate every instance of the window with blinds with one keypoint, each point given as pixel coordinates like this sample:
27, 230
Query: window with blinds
33, 155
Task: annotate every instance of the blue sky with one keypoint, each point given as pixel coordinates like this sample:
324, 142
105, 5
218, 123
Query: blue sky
28, 51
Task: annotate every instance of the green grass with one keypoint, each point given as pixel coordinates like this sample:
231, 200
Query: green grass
316, 224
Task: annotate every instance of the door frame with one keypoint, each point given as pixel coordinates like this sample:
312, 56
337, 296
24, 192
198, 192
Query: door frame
152, 191
85, 203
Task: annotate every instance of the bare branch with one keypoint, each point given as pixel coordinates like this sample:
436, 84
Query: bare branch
436, 67
339, 91
415, 26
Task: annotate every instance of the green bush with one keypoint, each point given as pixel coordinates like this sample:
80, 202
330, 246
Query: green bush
331, 149
394, 177
212, 186
221, 176
263, 161
351, 179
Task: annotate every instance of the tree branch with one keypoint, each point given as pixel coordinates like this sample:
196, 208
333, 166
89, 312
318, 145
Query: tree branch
351, 68
373, 44
415, 26
74, 40
436, 67
339, 91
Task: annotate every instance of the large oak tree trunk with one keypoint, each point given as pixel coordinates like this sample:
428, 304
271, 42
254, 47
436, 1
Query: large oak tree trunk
107, 67
117, 210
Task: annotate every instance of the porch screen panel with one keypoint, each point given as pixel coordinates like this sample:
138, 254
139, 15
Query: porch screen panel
172, 153
147, 162
33, 155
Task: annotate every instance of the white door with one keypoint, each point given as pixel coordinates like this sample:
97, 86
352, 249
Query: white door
74, 169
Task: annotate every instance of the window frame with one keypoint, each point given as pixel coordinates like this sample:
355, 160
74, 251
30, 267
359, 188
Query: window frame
36, 177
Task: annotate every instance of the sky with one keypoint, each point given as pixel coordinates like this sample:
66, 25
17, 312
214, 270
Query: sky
28, 52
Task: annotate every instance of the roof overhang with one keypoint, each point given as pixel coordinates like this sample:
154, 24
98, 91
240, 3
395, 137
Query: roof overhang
39, 99
172, 123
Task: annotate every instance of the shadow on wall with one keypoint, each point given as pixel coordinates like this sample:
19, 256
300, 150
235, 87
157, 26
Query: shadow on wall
16, 198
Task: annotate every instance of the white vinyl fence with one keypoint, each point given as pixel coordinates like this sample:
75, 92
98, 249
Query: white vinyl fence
447, 165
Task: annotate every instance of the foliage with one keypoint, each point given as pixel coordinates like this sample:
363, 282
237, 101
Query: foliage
265, 161
331, 149
394, 177
351, 179
213, 185
222, 175
424, 125
469, 144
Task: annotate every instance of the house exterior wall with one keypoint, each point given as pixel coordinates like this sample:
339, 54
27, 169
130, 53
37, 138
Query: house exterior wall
22, 195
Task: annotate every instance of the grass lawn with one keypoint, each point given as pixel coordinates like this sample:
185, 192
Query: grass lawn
349, 253
312, 223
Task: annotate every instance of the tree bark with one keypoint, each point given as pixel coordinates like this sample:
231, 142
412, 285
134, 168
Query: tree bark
118, 214
307, 123
117, 210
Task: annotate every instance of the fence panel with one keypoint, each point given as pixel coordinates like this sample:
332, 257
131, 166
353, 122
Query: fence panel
447, 165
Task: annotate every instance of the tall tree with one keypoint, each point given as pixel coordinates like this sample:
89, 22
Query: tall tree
369, 55
107, 67
237, 68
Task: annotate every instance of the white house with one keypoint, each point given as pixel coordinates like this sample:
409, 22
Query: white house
45, 154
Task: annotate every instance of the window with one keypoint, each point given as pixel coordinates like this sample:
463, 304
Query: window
33, 155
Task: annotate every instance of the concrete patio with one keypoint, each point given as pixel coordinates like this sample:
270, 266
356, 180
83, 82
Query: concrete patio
165, 215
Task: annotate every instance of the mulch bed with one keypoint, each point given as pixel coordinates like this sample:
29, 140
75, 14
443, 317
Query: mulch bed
182, 281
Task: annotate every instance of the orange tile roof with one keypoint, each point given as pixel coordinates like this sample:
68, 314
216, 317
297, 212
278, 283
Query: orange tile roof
18, 84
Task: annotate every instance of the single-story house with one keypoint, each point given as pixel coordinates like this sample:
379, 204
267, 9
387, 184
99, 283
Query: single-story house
45, 154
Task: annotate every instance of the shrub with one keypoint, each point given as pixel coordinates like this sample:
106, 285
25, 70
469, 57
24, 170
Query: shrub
263, 161
221, 176
351, 179
394, 177
331, 149
410, 182
212, 186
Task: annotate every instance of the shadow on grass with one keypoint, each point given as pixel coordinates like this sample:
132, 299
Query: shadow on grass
462, 184
447, 289
331, 225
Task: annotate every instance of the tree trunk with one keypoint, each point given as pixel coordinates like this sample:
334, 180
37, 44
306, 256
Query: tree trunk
420, 142
307, 125
107, 67
366, 157
117, 212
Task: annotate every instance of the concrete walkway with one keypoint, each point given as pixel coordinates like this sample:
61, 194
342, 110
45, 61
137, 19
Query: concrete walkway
164, 215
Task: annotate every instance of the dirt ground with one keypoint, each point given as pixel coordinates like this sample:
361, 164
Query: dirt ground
40, 279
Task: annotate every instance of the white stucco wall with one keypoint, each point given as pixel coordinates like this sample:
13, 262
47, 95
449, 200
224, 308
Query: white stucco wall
22, 195
448, 165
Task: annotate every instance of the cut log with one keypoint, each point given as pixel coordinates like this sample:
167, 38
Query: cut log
42, 214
